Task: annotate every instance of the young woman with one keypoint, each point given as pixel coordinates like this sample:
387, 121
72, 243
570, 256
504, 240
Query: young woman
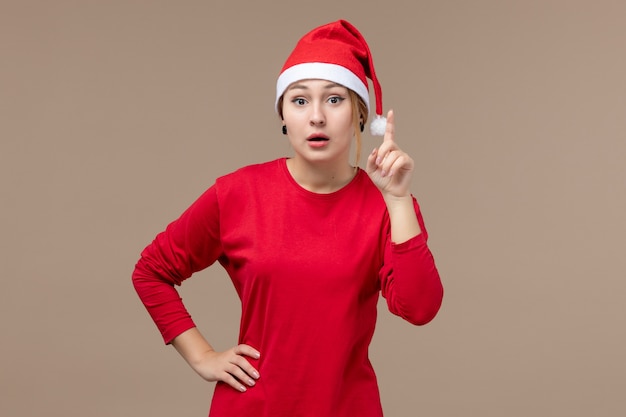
309, 243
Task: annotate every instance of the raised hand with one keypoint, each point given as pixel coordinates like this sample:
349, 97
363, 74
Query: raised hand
389, 167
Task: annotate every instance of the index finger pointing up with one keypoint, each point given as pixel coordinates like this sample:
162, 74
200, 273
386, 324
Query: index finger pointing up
390, 128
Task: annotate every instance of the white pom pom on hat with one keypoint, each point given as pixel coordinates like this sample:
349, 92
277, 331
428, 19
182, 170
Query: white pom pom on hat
378, 126
335, 52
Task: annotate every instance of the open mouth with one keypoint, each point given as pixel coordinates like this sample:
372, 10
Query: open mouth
317, 138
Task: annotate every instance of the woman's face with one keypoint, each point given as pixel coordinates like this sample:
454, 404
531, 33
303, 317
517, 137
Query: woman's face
318, 116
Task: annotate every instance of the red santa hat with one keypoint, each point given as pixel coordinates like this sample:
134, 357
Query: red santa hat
335, 52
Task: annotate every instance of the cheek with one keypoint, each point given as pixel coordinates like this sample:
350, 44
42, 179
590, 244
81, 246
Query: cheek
294, 122
345, 120
289, 113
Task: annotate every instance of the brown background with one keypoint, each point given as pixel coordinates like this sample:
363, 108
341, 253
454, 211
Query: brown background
115, 115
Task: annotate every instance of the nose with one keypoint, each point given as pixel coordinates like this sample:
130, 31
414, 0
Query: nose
317, 115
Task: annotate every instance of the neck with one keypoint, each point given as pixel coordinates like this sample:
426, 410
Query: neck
320, 178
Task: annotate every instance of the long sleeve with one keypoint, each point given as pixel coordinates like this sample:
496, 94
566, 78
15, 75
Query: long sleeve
409, 278
189, 244
309, 269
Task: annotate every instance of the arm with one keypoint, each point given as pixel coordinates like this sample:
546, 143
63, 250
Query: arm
391, 170
409, 278
402, 217
189, 244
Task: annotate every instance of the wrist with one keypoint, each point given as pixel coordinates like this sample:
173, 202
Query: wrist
199, 356
192, 346
394, 200
402, 217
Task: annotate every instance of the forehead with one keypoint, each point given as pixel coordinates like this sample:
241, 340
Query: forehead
313, 84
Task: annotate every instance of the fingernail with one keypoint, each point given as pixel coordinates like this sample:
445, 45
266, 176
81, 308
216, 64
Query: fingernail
242, 388
379, 160
251, 382
383, 173
256, 374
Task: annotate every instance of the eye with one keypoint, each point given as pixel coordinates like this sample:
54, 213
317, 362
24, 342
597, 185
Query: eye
335, 99
299, 101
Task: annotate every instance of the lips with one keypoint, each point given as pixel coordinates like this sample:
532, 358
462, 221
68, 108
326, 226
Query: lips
317, 138
317, 141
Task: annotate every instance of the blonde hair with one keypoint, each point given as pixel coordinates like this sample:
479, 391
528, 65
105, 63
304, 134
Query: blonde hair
359, 118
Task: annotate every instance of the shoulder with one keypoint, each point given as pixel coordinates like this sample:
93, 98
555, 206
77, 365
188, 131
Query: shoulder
250, 180
250, 173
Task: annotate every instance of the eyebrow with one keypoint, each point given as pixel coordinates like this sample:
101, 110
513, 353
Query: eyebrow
304, 87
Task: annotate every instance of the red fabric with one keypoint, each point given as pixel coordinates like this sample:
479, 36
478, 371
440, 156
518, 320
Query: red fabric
308, 269
342, 44
337, 43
